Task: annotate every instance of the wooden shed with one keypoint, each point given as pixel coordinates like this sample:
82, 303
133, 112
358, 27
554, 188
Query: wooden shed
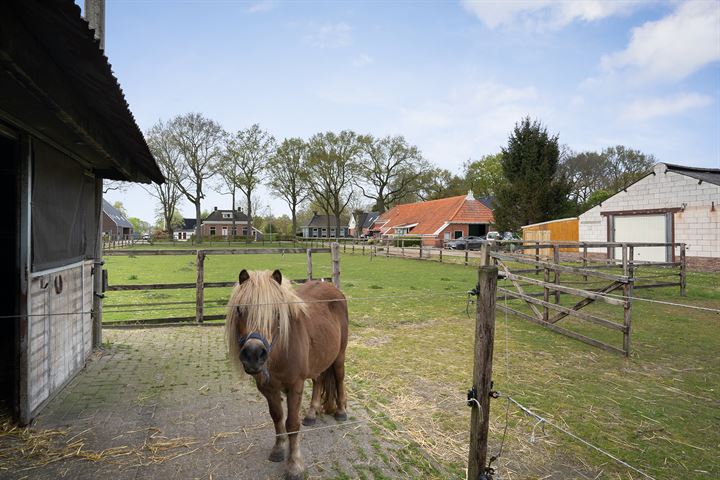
561, 230
64, 126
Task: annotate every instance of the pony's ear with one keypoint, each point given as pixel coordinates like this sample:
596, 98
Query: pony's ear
277, 276
244, 275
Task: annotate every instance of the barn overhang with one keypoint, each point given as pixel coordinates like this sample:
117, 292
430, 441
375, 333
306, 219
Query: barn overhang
57, 85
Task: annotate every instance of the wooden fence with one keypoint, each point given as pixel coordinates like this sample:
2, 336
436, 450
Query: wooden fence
200, 284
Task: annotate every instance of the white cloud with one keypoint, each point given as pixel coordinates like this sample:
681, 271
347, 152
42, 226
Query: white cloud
645, 109
362, 60
671, 48
546, 14
473, 120
261, 6
331, 35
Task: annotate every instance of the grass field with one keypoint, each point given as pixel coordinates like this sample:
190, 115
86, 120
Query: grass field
409, 358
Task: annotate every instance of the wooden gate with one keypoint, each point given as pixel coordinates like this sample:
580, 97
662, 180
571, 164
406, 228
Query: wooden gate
540, 308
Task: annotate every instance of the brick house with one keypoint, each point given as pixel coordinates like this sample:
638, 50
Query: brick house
220, 224
436, 221
114, 223
672, 203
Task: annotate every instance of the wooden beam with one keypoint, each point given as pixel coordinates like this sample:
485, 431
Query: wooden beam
565, 310
571, 291
231, 251
587, 301
519, 289
563, 331
559, 268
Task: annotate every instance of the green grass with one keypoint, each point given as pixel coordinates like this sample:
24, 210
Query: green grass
410, 351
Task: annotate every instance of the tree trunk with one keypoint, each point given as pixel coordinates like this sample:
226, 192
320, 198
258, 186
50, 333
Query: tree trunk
198, 228
233, 232
294, 222
249, 221
337, 225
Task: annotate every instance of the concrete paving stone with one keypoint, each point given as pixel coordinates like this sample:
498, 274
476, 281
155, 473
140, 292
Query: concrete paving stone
169, 398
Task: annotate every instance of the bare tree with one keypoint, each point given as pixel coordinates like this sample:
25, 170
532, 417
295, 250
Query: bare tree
286, 175
229, 175
168, 159
114, 185
389, 169
332, 169
250, 150
198, 141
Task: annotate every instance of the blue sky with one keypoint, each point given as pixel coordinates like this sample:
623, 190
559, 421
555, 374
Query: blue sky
452, 77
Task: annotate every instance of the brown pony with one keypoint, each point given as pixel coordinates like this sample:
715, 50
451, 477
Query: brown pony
282, 337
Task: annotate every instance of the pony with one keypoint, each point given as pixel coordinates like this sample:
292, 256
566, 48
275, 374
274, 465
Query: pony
281, 337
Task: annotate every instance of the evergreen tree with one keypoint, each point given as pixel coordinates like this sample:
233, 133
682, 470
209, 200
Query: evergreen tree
535, 190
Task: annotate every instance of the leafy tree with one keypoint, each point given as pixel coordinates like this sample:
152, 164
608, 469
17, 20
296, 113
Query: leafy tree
118, 205
484, 176
139, 226
287, 177
625, 165
535, 190
439, 183
332, 167
389, 168
167, 155
250, 150
198, 141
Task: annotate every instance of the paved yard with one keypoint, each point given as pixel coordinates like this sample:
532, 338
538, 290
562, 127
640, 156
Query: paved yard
163, 403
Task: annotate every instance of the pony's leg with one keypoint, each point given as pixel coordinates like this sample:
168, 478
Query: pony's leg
311, 415
274, 399
339, 369
295, 465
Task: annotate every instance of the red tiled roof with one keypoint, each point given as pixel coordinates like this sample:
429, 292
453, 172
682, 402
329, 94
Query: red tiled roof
431, 215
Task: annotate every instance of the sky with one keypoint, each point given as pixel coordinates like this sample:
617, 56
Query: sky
453, 77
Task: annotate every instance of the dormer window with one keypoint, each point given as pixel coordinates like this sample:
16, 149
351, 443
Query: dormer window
227, 215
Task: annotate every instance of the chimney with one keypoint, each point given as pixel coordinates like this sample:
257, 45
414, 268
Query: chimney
470, 195
95, 16
215, 209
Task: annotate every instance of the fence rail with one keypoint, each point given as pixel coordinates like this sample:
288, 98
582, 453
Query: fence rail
200, 284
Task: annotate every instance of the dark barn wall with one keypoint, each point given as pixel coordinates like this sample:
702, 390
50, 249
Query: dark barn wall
9, 198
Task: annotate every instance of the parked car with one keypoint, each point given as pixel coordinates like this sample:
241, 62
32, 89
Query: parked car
502, 236
472, 243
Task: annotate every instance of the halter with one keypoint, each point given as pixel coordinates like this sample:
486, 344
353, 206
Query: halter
254, 335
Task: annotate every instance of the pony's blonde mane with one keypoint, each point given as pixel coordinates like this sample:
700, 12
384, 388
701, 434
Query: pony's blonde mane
265, 306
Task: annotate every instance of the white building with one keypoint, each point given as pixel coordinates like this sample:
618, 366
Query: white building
673, 203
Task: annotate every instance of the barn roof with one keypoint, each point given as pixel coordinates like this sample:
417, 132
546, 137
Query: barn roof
322, 221
710, 175
426, 218
115, 215
58, 85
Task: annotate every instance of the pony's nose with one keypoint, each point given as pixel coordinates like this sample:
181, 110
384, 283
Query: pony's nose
253, 355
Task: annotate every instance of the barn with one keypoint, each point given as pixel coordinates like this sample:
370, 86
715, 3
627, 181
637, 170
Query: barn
672, 203
64, 126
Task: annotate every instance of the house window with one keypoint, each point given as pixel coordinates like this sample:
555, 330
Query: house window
224, 231
332, 232
447, 235
458, 233
245, 230
212, 230
234, 230
324, 232
315, 232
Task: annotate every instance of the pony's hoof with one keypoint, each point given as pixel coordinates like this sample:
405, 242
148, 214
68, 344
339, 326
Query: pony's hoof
309, 422
340, 416
277, 456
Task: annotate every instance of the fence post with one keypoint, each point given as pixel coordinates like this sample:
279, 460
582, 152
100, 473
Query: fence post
466, 257
482, 370
537, 257
683, 269
309, 258
441, 250
631, 261
421, 242
625, 259
402, 247
363, 250
335, 253
546, 293
200, 286
627, 310
387, 249
584, 260
485, 254
556, 261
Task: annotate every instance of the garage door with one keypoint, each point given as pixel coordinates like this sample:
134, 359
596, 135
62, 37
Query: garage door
645, 229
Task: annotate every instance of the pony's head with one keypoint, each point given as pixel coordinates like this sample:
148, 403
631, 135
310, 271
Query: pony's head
258, 319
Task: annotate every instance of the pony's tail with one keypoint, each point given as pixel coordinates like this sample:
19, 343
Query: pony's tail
329, 390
